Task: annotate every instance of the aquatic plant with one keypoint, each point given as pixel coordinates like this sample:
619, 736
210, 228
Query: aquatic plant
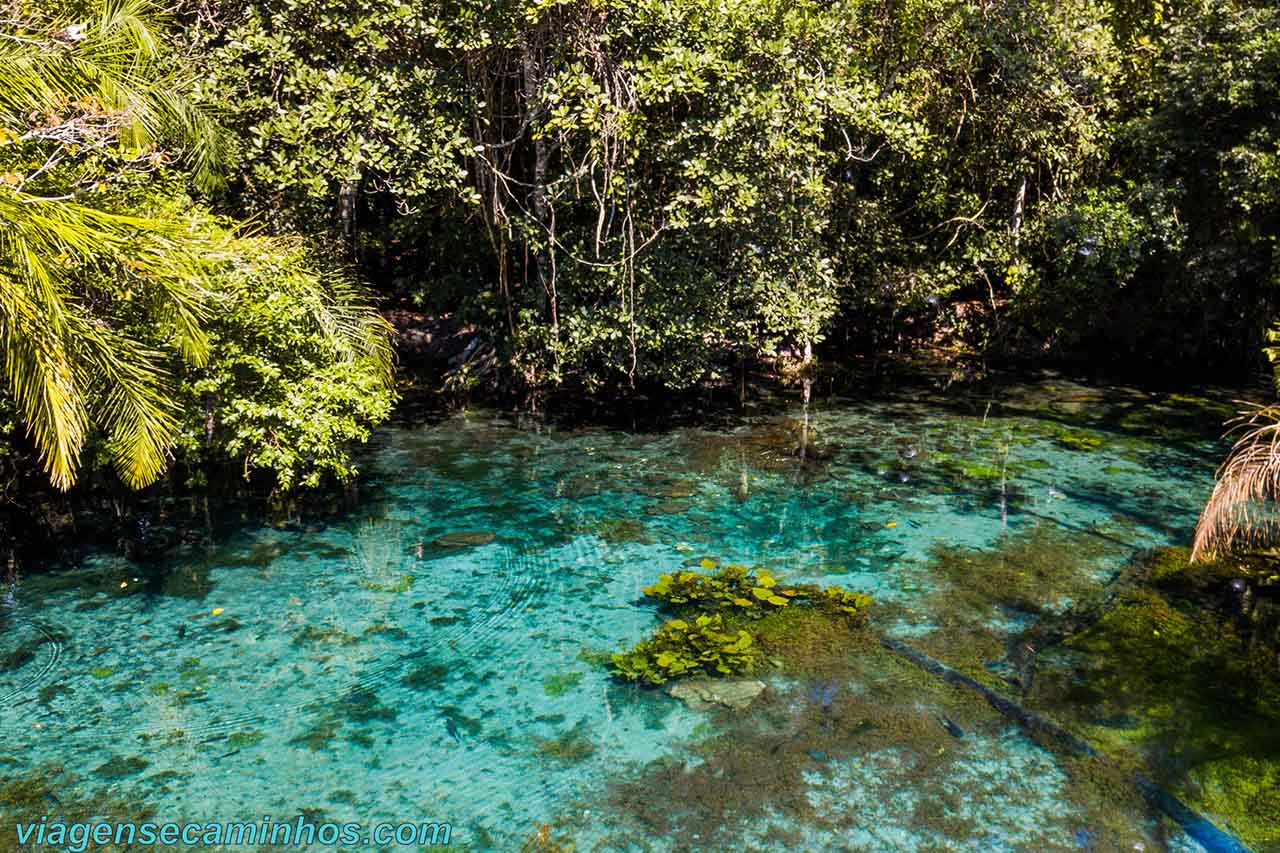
1245, 789
719, 615
571, 747
754, 594
680, 648
425, 676
1032, 570
118, 767
1176, 674
558, 684
1078, 440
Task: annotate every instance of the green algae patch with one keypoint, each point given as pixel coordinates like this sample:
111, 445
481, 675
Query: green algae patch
1245, 792
1034, 570
558, 684
119, 767
1080, 440
721, 617
621, 531
571, 747
1179, 679
50, 789
866, 709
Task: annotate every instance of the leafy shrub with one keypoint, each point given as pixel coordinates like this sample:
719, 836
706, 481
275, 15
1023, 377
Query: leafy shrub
299, 368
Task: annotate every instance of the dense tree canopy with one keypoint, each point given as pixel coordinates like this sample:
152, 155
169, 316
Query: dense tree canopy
644, 190
615, 193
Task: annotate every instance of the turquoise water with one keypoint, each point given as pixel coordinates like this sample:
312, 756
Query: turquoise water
385, 667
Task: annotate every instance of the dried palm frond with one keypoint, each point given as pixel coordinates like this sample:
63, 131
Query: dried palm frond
1242, 511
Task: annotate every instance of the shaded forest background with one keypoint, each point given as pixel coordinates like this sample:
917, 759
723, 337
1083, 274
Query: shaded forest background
608, 196
643, 192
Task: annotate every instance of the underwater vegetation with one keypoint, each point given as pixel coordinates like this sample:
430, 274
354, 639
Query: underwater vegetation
718, 618
1182, 674
1032, 570
50, 789
558, 684
914, 740
570, 747
679, 648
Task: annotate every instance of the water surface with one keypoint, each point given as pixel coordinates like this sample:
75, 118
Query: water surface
436, 654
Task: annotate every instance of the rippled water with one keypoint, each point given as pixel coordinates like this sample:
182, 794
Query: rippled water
435, 655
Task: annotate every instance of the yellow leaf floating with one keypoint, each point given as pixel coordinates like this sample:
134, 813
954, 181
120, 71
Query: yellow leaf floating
891, 524
217, 611
707, 563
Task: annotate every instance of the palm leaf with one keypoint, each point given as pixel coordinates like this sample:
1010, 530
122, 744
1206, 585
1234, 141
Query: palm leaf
1241, 510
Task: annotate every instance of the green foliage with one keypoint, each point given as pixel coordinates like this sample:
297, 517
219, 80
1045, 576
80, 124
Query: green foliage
681, 648
714, 634
652, 191
736, 589
129, 312
85, 109
299, 368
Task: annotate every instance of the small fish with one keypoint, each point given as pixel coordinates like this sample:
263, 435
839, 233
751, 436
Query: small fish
452, 728
952, 729
182, 631
48, 795
816, 755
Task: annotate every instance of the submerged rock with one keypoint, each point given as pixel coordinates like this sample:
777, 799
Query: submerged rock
464, 539
703, 694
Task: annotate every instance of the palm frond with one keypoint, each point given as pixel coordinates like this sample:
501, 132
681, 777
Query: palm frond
1241, 511
132, 401
41, 378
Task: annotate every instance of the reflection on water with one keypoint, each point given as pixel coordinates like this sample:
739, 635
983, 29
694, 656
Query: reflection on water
438, 655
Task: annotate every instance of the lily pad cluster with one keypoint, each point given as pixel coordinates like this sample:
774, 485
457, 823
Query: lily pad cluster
711, 634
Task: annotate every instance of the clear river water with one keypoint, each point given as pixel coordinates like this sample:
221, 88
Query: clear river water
439, 653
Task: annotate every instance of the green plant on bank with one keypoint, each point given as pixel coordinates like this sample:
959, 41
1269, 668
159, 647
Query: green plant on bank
712, 634
135, 324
